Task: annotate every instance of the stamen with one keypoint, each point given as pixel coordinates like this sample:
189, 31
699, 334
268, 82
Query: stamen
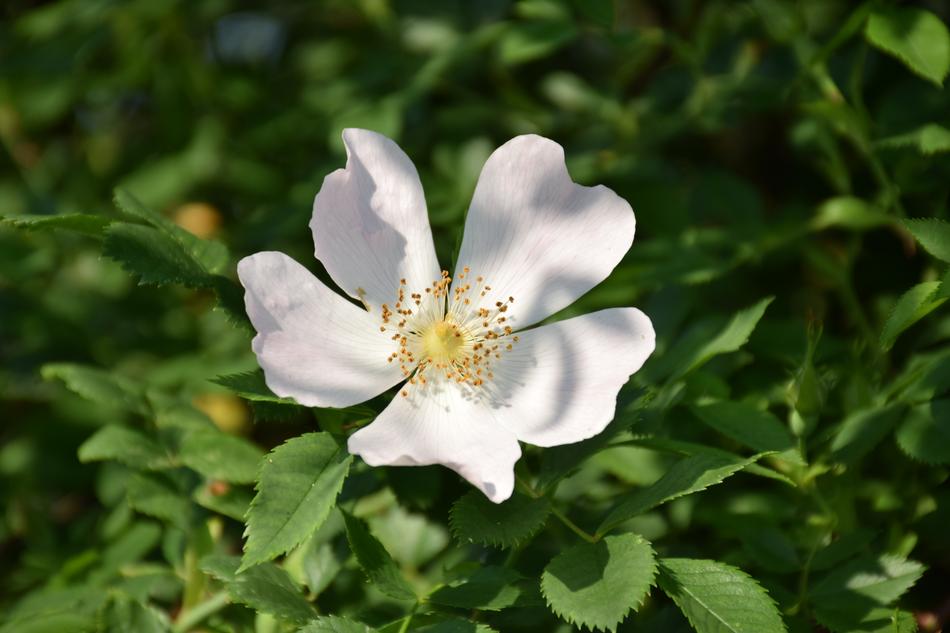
448, 331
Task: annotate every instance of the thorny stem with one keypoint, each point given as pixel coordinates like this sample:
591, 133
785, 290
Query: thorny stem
573, 527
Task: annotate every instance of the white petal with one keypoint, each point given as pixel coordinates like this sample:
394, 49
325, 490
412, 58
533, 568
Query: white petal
370, 226
313, 345
559, 384
439, 424
534, 234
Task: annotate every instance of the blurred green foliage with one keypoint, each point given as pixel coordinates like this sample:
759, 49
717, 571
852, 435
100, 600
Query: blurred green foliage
770, 148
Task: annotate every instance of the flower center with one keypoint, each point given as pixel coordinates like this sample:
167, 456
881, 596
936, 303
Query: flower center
442, 342
448, 335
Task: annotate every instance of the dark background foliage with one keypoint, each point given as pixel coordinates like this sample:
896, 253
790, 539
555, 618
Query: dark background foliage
767, 147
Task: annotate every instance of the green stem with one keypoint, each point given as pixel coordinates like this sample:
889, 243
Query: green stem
853, 307
573, 527
191, 618
803, 582
408, 618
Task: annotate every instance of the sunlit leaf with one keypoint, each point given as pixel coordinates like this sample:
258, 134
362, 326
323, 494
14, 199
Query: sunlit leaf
375, 561
126, 445
298, 485
718, 598
264, 587
87, 224
933, 235
686, 476
335, 624
929, 139
850, 593
597, 584
911, 307
218, 455
915, 36
98, 386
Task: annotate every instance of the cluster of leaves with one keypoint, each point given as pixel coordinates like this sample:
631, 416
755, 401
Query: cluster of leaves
789, 164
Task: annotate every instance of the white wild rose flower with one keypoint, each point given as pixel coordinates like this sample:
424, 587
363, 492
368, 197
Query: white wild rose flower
474, 378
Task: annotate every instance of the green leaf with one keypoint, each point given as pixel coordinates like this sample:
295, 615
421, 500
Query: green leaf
873, 620
925, 434
733, 336
230, 501
455, 625
943, 292
840, 550
335, 624
558, 462
376, 562
265, 587
125, 445
849, 593
55, 611
718, 598
687, 449
412, 539
93, 225
597, 584
129, 547
123, 614
53, 622
158, 496
862, 430
685, 477
318, 562
767, 545
849, 212
210, 255
882, 580
218, 455
152, 256
912, 306
250, 385
752, 427
929, 139
526, 41
916, 37
600, 12
933, 235
98, 386
299, 483
476, 519
489, 589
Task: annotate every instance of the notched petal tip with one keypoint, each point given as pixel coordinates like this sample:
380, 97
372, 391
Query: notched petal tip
546, 237
369, 223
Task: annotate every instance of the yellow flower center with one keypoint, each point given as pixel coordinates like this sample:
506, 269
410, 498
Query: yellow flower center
446, 333
442, 342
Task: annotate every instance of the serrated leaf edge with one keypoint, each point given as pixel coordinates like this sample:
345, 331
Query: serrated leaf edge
739, 571
270, 555
499, 543
594, 627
